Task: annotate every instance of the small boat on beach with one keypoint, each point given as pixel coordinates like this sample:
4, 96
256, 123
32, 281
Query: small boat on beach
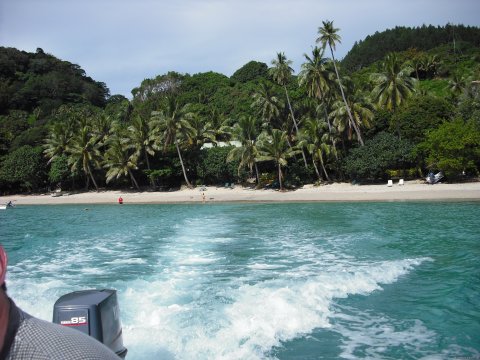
434, 178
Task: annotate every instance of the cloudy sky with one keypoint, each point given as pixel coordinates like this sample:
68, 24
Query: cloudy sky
122, 42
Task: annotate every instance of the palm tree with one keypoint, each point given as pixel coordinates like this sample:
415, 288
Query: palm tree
84, 150
456, 84
140, 135
246, 132
394, 85
67, 118
100, 125
417, 64
204, 133
430, 65
361, 110
281, 73
120, 159
316, 137
267, 104
329, 36
57, 140
275, 147
315, 75
219, 125
172, 125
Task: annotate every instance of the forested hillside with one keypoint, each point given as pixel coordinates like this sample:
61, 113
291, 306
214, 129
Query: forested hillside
32, 87
402, 103
376, 46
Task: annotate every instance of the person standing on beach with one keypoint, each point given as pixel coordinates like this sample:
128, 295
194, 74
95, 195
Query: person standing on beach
24, 337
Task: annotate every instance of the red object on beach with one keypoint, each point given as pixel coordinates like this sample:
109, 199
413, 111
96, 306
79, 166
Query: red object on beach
120, 200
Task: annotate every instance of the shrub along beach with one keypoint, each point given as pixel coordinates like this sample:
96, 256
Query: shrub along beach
389, 110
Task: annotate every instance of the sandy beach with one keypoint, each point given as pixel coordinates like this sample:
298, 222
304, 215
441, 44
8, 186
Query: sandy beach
411, 190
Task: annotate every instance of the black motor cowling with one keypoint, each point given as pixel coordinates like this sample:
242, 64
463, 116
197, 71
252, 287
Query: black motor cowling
95, 313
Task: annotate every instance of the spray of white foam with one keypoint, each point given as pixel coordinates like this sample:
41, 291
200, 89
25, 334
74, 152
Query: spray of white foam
263, 266
189, 308
127, 261
197, 260
36, 297
368, 335
246, 322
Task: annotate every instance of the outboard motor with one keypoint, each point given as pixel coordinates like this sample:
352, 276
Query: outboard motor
95, 313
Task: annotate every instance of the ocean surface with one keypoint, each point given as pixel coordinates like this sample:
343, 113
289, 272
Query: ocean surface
393, 280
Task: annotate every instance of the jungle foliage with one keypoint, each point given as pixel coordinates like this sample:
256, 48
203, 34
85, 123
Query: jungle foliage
402, 99
375, 47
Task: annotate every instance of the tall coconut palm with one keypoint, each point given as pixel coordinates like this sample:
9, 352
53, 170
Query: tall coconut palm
172, 125
140, 135
246, 132
267, 104
318, 77
204, 133
66, 119
275, 147
394, 85
316, 137
57, 140
100, 125
328, 36
315, 75
83, 151
219, 125
281, 73
120, 159
361, 110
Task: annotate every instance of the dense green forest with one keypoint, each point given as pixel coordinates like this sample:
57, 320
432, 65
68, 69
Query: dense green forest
376, 46
403, 102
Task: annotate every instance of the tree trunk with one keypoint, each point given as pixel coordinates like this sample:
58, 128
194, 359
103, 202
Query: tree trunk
146, 158
397, 123
327, 119
183, 166
334, 142
354, 125
152, 182
294, 123
134, 182
316, 169
280, 176
323, 166
257, 174
91, 176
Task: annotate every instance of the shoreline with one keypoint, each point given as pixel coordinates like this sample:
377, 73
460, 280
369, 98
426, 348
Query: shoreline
336, 192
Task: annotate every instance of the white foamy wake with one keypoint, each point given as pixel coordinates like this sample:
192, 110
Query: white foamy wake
246, 321
37, 297
376, 334
127, 261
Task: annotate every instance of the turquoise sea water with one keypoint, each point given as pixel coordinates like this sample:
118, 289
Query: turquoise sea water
396, 280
